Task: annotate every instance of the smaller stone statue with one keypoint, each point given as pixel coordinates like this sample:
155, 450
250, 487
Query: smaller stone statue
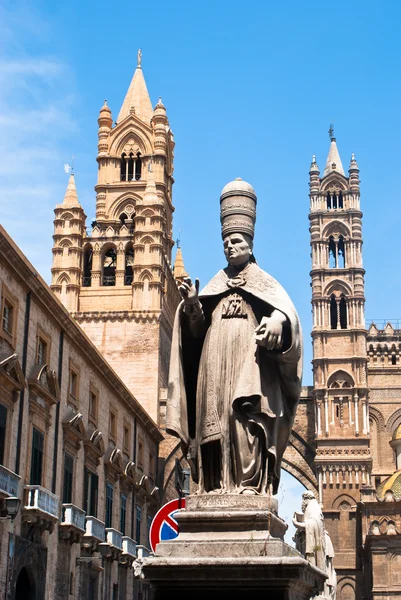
139, 57
311, 536
312, 540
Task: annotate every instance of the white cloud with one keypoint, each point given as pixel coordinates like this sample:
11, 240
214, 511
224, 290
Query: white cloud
37, 124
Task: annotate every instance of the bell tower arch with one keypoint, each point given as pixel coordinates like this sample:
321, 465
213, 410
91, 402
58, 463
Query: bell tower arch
342, 462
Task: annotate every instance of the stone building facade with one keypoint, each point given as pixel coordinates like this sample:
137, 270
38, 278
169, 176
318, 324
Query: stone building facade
76, 447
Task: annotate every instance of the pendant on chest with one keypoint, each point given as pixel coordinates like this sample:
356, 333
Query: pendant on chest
234, 307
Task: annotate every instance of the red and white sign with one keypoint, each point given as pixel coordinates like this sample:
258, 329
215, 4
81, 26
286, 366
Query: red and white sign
164, 526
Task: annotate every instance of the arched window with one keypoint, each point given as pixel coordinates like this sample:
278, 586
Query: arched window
109, 267
334, 200
87, 267
129, 263
123, 218
123, 167
328, 200
340, 200
131, 162
332, 253
343, 312
333, 312
138, 167
341, 253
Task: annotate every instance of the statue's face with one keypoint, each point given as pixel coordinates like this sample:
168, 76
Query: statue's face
236, 249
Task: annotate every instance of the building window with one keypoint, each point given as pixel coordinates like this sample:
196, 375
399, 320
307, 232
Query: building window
332, 253
91, 487
8, 316
115, 591
343, 312
3, 424
129, 263
123, 513
138, 518
333, 312
109, 505
87, 270
149, 520
152, 467
41, 355
112, 425
126, 438
37, 457
341, 253
109, 267
131, 167
73, 385
68, 478
93, 405
140, 453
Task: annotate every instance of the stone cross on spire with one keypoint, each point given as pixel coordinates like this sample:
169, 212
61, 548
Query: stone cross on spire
331, 132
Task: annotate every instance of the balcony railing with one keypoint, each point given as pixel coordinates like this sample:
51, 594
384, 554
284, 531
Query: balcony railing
142, 551
86, 281
128, 279
109, 280
73, 516
95, 528
9, 482
114, 537
39, 498
129, 546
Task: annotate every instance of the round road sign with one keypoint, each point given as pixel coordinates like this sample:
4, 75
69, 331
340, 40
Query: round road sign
164, 526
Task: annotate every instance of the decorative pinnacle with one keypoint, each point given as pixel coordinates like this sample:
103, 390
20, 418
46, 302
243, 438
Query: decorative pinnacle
140, 58
313, 159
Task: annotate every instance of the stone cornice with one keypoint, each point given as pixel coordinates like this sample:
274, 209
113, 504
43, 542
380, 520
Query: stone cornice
118, 315
29, 279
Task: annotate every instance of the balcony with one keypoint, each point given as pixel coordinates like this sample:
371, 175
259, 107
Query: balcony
114, 538
72, 517
129, 546
41, 500
108, 280
9, 482
142, 551
94, 529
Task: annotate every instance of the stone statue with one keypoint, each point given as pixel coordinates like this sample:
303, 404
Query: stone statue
310, 540
139, 56
313, 541
236, 365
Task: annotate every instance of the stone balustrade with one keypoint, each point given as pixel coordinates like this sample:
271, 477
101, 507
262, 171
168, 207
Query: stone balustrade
73, 516
114, 538
128, 545
94, 529
37, 498
9, 482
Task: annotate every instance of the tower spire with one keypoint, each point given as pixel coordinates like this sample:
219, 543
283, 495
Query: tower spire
71, 196
137, 100
333, 162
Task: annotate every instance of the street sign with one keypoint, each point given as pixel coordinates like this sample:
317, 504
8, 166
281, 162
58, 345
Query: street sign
164, 526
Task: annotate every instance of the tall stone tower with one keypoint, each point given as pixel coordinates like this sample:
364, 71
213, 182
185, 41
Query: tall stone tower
343, 459
69, 232
126, 292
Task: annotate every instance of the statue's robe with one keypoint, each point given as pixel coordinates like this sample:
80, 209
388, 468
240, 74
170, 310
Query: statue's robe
315, 537
230, 401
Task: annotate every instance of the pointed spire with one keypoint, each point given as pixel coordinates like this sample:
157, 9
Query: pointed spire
333, 162
137, 100
179, 271
71, 196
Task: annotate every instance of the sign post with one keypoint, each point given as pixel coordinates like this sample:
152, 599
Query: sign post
164, 526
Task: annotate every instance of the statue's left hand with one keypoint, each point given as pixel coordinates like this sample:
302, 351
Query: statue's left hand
269, 332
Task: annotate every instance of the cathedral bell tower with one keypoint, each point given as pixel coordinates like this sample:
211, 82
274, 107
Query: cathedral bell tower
126, 294
343, 459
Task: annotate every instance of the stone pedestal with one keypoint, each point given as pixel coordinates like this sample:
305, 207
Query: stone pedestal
231, 544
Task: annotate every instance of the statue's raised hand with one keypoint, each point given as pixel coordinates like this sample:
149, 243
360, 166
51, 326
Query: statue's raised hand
189, 291
269, 332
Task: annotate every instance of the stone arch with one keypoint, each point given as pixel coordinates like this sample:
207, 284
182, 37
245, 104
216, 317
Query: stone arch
342, 378
67, 216
393, 421
25, 587
376, 415
337, 287
342, 500
148, 213
298, 461
377, 427
334, 180
336, 228
123, 204
146, 276
65, 243
346, 589
128, 136
63, 278
147, 239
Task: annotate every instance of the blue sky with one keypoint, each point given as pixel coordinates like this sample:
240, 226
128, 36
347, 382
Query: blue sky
250, 90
